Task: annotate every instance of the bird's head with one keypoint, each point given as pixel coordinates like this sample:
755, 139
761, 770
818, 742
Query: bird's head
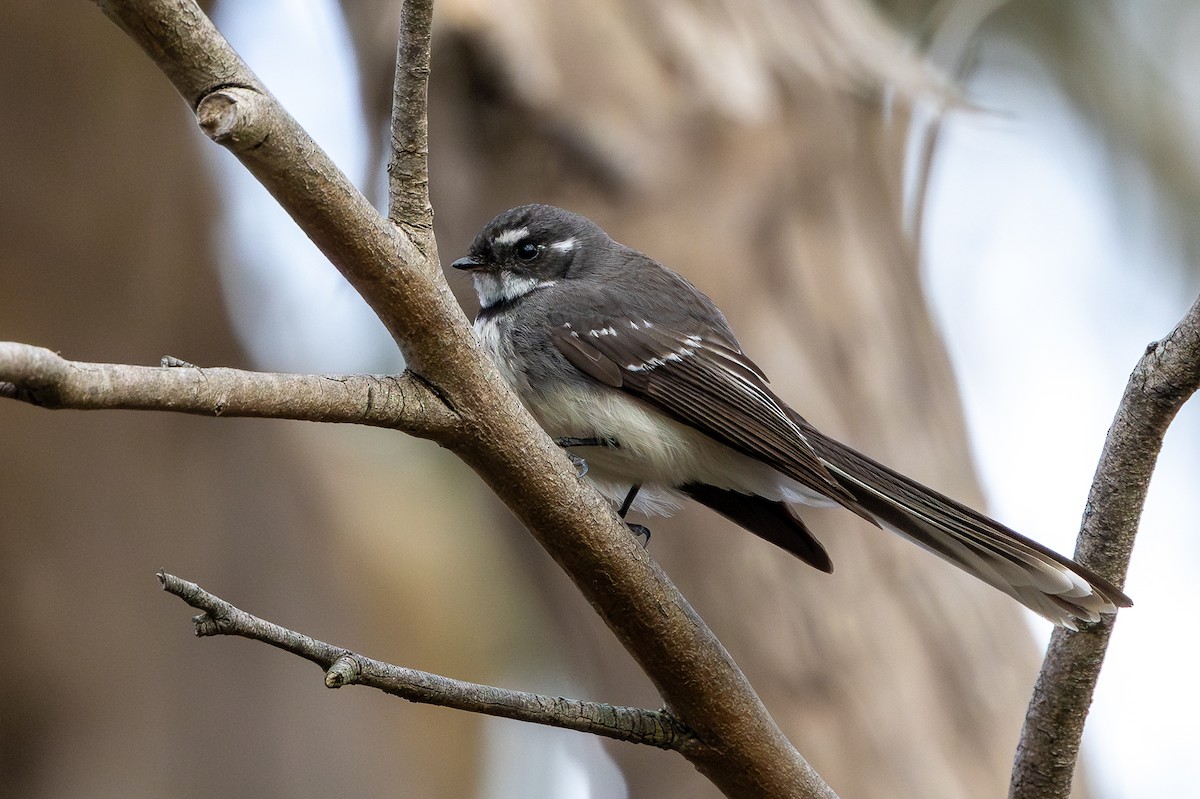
527, 248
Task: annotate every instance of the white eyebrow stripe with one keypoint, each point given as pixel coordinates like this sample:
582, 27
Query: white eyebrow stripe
565, 245
513, 235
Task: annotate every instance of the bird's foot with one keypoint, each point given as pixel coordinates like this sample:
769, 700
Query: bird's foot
581, 467
640, 531
580, 464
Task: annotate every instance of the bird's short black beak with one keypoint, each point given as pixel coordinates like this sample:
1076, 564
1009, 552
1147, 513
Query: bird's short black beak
468, 262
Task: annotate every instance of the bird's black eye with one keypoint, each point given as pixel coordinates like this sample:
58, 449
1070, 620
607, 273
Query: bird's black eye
527, 250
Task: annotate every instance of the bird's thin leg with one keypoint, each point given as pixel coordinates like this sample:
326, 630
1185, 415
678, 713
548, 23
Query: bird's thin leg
629, 498
568, 441
639, 530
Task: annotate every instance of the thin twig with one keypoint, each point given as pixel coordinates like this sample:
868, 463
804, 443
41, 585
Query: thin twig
1166, 376
398, 402
408, 169
630, 724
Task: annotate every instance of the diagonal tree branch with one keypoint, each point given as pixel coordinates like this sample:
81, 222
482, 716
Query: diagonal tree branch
43, 378
739, 746
630, 724
1166, 376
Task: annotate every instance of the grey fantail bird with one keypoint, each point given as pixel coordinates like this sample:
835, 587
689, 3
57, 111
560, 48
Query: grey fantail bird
637, 372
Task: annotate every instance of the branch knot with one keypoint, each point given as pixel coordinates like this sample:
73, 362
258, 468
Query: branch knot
233, 117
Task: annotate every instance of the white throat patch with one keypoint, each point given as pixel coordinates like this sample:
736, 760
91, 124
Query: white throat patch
494, 288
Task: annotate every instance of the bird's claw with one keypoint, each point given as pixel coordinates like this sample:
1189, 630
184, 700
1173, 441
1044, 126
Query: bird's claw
581, 466
640, 531
567, 442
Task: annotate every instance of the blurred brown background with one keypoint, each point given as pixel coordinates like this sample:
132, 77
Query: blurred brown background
745, 144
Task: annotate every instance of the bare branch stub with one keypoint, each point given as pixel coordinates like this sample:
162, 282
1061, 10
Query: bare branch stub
1166, 376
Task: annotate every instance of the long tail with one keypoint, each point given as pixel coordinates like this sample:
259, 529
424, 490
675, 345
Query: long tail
1049, 584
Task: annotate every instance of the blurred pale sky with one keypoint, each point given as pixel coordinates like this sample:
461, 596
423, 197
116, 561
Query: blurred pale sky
1049, 273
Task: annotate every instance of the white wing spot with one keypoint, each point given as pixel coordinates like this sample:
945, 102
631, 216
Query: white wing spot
654, 363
